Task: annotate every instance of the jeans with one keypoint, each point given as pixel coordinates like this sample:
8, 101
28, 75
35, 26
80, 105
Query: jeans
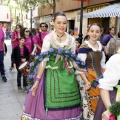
2, 63
19, 75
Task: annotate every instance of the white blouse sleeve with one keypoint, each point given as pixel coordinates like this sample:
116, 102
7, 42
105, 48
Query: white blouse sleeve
83, 58
46, 44
103, 60
73, 48
111, 75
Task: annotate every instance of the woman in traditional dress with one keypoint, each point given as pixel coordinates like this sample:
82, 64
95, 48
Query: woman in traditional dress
55, 93
91, 53
108, 85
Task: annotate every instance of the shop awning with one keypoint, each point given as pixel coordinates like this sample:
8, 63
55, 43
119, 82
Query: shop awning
109, 11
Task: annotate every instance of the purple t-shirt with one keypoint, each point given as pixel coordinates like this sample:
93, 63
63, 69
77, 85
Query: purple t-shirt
15, 36
29, 45
38, 39
106, 39
22, 51
1, 39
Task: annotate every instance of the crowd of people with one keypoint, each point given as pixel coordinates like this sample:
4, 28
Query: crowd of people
62, 89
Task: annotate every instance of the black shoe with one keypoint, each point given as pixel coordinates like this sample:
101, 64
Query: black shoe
4, 79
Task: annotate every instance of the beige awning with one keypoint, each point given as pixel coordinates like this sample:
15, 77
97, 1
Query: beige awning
109, 11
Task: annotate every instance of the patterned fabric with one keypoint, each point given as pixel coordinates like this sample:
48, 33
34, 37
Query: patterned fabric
61, 88
92, 58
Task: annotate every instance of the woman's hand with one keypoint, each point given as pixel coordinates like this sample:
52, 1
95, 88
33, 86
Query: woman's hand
32, 53
23, 60
106, 115
34, 88
82, 70
87, 86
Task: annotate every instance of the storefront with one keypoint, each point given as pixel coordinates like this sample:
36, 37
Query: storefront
102, 21
105, 14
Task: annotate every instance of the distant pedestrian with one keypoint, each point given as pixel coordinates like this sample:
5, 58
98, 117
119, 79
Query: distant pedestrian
110, 34
20, 55
87, 36
30, 42
77, 45
40, 36
33, 32
2, 53
71, 32
117, 43
16, 35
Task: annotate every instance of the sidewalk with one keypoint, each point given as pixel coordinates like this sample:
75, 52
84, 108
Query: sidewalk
11, 100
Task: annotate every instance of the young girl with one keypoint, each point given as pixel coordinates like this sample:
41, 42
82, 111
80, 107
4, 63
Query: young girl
55, 94
20, 55
77, 45
91, 53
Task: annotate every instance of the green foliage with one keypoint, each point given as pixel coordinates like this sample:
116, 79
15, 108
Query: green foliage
115, 109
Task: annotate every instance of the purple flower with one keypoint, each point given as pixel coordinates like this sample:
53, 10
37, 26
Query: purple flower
95, 85
45, 53
83, 63
31, 64
59, 50
73, 54
66, 51
51, 50
41, 59
78, 59
30, 76
67, 56
71, 59
36, 57
97, 80
42, 53
35, 70
77, 63
54, 54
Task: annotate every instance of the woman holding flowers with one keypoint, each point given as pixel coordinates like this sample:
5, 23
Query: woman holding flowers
110, 91
55, 93
91, 53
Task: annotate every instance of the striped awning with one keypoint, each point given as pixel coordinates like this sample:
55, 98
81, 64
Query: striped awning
109, 11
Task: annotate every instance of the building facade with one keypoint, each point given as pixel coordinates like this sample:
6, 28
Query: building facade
72, 10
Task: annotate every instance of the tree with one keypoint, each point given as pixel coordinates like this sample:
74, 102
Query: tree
52, 4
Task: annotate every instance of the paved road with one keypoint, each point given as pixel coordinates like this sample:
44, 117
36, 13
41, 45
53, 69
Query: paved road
11, 100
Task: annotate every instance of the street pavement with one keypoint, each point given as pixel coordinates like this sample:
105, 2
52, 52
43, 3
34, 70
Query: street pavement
11, 100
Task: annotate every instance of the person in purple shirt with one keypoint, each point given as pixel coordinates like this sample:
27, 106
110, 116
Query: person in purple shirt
40, 36
30, 41
110, 34
2, 53
16, 35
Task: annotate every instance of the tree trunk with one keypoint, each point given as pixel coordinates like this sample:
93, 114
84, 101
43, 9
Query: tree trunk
54, 7
21, 12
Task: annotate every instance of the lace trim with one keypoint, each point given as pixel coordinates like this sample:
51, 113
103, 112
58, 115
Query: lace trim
28, 117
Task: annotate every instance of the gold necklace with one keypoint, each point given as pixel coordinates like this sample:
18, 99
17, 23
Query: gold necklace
60, 40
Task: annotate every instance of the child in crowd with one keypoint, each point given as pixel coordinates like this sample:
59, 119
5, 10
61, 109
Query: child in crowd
77, 45
20, 55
